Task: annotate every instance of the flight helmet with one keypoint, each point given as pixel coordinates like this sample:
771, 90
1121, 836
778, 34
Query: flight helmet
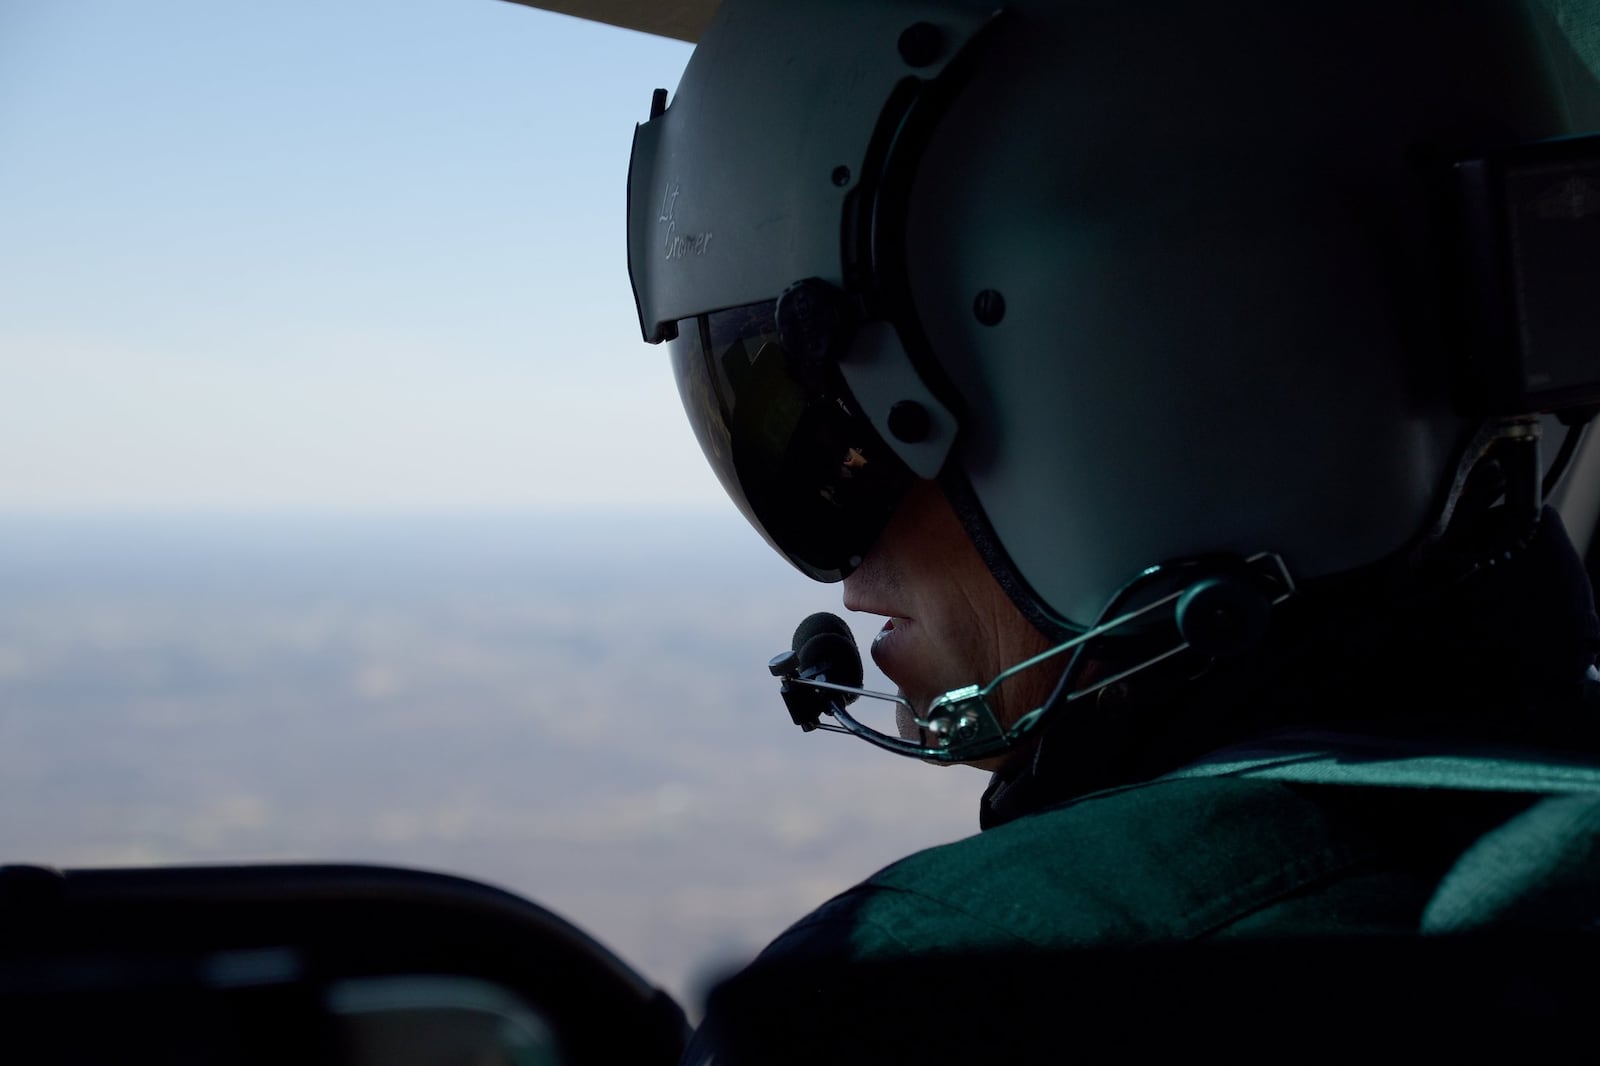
1142, 284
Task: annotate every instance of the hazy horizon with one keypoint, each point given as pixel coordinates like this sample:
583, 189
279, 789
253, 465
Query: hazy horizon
574, 709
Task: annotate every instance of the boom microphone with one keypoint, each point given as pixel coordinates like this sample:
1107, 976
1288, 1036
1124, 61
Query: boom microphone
822, 655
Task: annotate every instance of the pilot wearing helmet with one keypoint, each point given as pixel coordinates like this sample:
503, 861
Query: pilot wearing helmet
1170, 377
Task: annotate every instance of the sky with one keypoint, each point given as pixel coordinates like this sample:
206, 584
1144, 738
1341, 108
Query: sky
362, 256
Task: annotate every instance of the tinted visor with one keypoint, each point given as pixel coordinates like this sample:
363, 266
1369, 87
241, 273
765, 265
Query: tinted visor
786, 440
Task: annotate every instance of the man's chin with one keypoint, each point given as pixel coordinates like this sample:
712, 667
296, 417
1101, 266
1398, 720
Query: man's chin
906, 725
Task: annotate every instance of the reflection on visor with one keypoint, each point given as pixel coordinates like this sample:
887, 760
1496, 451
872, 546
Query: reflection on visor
784, 437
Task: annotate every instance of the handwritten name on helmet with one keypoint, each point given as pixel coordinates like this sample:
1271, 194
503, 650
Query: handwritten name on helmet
679, 245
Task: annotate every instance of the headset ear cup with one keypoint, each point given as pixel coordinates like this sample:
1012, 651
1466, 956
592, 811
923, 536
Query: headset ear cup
1224, 616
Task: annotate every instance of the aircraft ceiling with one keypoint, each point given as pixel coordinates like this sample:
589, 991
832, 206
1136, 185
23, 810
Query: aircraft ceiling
683, 19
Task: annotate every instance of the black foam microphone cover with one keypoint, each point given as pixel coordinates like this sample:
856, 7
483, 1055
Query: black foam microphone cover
821, 622
827, 648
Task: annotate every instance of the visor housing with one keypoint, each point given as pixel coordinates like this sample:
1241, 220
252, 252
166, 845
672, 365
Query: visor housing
719, 217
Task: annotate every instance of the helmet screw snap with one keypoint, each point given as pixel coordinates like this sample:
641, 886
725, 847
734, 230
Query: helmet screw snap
921, 44
909, 421
989, 307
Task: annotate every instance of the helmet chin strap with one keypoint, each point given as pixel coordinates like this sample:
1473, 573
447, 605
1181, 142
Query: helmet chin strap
1216, 606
